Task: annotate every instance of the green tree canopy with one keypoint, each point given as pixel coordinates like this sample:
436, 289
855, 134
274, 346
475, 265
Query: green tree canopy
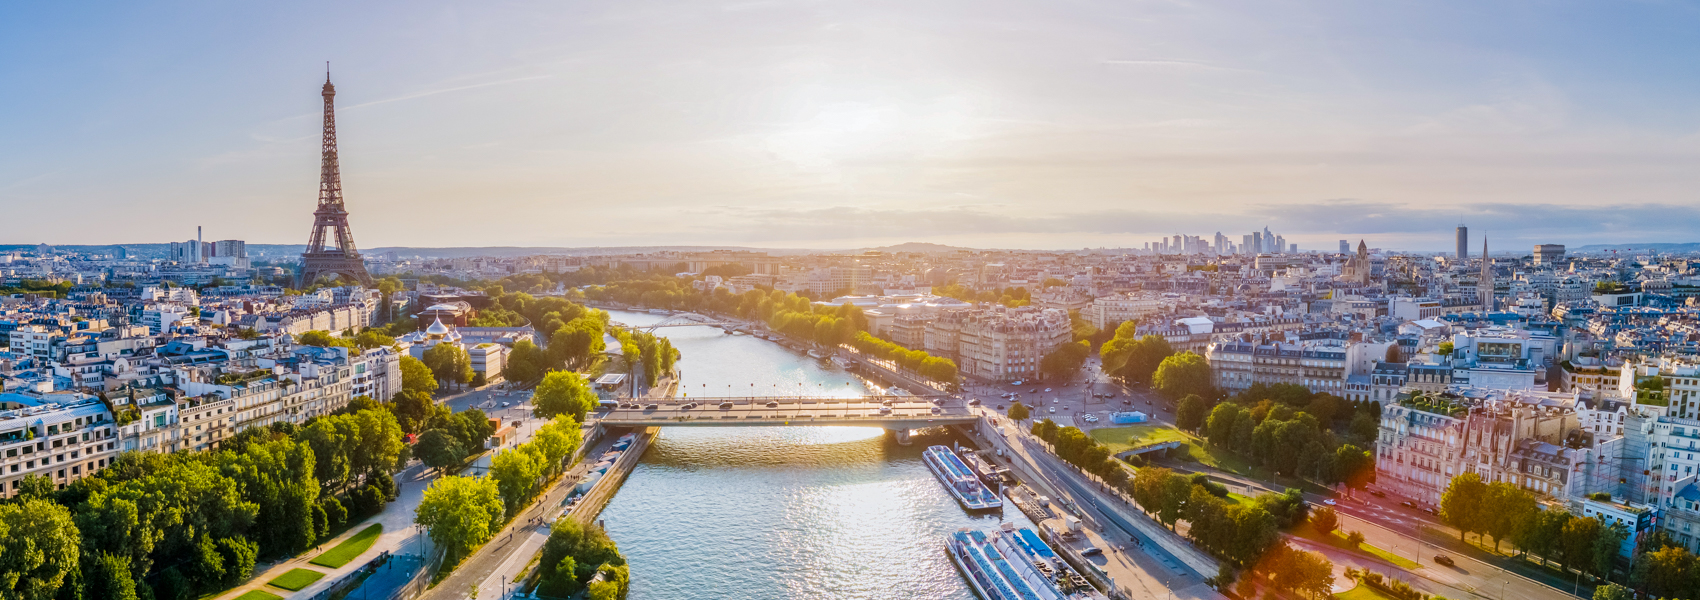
417, 377
1182, 374
460, 512
563, 393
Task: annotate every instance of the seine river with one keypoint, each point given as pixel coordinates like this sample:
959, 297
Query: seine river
782, 512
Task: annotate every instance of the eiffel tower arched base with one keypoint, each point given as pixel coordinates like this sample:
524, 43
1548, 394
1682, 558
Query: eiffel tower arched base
313, 267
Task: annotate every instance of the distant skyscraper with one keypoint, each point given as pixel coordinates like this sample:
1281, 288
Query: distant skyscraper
1463, 242
1484, 285
1256, 242
1345, 248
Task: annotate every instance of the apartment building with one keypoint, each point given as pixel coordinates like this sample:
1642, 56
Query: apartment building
1321, 366
1106, 312
997, 344
62, 436
1516, 436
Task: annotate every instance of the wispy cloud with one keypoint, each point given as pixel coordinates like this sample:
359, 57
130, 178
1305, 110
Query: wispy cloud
1175, 64
445, 91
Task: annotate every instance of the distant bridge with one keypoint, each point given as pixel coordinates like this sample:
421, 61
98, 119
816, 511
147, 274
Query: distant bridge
906, 412
682, 320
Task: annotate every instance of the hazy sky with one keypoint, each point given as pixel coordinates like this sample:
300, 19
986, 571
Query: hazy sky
1023, 124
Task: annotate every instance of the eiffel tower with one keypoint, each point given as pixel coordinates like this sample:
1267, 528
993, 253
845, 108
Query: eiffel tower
340, 257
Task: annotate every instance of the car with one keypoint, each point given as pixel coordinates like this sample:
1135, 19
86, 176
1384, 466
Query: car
1442, 559
1033, 391
1377, 493
772, 404
936, 410
1053, 410
1000, 407
1408, 504
652, 406
725, 405
974, 402
1328, 501
1091, 551
506, 404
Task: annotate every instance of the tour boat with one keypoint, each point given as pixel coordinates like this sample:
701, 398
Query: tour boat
1011, 563
950, 470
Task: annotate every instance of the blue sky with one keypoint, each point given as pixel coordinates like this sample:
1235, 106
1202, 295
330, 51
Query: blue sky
1058, 124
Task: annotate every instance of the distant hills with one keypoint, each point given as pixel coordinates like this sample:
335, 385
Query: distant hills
272, 251
1658, 246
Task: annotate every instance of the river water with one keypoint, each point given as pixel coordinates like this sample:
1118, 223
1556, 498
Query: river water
782, 512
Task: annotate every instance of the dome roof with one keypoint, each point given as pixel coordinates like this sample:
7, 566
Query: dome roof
437, 328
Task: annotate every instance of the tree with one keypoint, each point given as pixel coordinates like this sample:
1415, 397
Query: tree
1353, 466
563, 393
516, 473
1066, 360
460, 512
1507, 507
277, 476
38, 548
576, 344
574, 554
1462, 503
525, 363
1190, 414
109, 577
368, 340
1612, 591
332, 440
1324, 520
1219, 427
1355, 538
35, 486
387, 287
439, 449
1018, 412
1668, 572
1182, 374
377, 442
448, 362
416, 377
557, 440
1577, 541
412, 409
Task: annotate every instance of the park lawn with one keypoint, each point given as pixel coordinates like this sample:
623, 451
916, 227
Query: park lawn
258, 595
350, 548
1234, 498
1363, 592
1121, 439
296, 579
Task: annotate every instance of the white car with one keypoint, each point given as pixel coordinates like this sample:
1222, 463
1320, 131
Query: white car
1329, 502
1047, 389
1053, 410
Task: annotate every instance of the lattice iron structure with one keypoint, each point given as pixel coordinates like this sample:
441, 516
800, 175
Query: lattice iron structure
338, 256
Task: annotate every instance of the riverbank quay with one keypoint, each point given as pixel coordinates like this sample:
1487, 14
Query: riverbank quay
1146, 556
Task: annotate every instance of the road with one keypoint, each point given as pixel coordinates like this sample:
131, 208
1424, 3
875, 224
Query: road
1117, 524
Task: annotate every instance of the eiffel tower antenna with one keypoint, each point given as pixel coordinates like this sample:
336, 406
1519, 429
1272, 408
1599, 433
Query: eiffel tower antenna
338, 256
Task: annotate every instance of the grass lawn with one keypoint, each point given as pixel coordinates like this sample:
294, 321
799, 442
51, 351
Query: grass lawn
1233, 498
1120, 439
1337, 539
296, 579
258, 595
1363, 592
349, 548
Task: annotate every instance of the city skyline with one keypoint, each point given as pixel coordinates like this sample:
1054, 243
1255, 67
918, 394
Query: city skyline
801, 125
